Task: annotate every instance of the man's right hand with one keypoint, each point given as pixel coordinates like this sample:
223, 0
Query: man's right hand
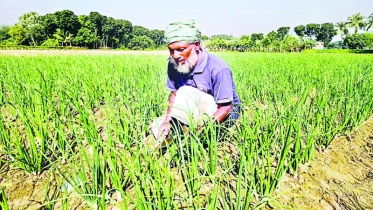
164, 129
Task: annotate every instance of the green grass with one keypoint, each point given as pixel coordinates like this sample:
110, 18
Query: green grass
341, 51
84, 117
3, 200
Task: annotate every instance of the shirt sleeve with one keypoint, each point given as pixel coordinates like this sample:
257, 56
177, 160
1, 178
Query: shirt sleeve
170, 83
222, 85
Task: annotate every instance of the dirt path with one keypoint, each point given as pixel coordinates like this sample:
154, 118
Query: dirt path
340, 178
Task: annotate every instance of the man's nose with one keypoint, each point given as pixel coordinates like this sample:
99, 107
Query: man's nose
176, 55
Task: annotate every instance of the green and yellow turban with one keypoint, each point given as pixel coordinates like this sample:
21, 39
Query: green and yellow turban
182, 31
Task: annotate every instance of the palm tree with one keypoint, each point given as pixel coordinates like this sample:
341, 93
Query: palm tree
60, 36
369, 22
63, 37
356, 21
342, 28
68, 38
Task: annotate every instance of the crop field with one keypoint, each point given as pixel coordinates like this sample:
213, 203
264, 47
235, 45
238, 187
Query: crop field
72, 127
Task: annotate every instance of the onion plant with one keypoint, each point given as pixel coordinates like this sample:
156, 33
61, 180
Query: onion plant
85, 118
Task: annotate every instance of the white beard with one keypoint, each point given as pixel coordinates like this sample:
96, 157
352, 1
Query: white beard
189, 64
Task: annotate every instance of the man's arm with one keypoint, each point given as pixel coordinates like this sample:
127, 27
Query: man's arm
223, 90
222, 112
166, 126
171, 100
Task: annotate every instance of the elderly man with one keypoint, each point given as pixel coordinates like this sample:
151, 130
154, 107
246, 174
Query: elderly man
201, 84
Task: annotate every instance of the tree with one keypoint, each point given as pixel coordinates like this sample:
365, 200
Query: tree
222, 36
4, 33
63, 37
354, 41
67, 21
258, 36
217, 44
311, 30
291, 43
97, 22
233, 45
50, 43
49, 23
204, 37
309, 43
299, 30
108, 32
123, 31
272, 36
141, 43
140, 31
245, 37
270, 42
369, 22
368, 40
221, 43
257, 46
282, 32
356, 21
157, 36
336, 45
342, 28
245, 43
85, 37
326, 33
18, 33
38, 33
30, 23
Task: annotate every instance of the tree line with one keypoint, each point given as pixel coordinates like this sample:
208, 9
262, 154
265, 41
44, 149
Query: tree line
96, 31
306, 37
64, 28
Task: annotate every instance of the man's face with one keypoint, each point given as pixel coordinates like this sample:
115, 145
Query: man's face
183, 56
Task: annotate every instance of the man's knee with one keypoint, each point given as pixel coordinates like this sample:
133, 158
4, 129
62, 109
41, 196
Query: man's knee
188, 92
185, 90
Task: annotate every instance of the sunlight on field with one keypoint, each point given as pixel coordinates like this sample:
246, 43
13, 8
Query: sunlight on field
81, 119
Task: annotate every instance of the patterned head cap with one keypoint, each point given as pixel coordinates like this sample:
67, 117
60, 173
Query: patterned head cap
182, 31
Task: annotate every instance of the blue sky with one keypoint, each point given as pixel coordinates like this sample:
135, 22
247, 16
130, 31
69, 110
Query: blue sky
214, 17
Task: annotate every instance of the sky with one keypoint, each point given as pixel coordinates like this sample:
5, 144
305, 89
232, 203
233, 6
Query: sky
230, 17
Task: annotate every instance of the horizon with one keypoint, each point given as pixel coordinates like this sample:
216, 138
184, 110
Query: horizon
234, 19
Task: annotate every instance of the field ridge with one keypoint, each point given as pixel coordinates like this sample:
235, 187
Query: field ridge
339, 178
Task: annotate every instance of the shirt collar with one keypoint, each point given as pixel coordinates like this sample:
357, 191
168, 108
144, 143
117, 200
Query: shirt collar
200, 67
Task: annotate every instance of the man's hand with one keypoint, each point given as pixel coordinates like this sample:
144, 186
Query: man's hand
219, 116
222, 112
164, 129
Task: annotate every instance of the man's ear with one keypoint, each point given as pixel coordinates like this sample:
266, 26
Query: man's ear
197, 45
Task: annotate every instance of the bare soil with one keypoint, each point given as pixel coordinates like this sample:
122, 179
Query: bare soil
339, 178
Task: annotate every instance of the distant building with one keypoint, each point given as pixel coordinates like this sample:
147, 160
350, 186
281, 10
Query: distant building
319, 46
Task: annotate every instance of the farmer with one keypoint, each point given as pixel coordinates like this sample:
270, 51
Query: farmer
201, 84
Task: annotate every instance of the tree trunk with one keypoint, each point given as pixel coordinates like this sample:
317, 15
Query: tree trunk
33, 41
